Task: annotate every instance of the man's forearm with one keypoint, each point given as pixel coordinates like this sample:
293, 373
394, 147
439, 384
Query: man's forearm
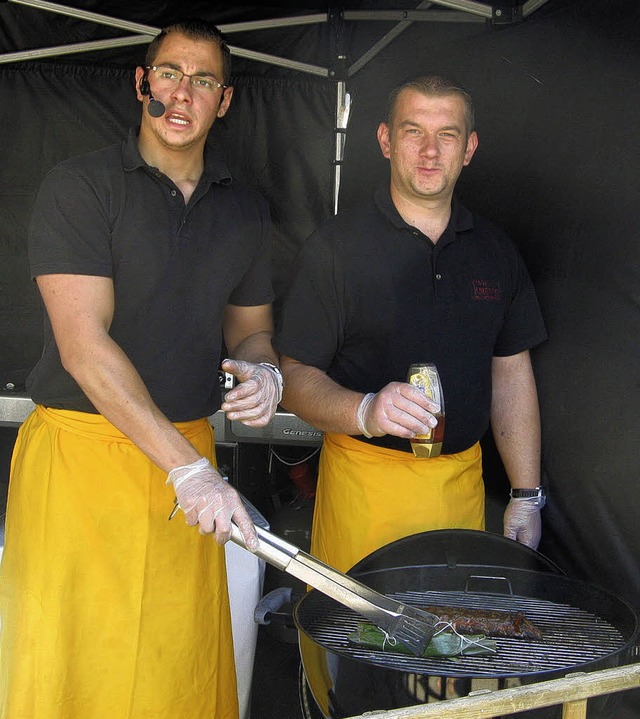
314, 397
117, 391
256, 348
515, 420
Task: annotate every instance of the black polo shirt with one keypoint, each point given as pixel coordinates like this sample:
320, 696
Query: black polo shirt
174, 268
371, 294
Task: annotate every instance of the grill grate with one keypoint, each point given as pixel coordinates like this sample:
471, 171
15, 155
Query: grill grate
571, 637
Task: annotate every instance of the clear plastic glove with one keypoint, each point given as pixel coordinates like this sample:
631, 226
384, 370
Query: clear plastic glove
522, 522
398, 409
208, 500
255, 400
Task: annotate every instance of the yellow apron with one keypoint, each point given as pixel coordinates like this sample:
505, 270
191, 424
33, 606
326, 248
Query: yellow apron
369, 496
108, 609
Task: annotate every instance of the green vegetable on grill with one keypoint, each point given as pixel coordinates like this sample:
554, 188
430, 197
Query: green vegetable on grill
443, 644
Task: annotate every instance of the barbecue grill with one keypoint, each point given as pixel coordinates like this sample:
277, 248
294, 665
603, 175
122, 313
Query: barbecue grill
584, 627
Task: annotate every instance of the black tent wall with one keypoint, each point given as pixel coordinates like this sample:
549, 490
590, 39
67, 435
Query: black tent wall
557, 100
557, 111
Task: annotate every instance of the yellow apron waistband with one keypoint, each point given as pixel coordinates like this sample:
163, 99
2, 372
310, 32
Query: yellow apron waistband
351, 444
95, 426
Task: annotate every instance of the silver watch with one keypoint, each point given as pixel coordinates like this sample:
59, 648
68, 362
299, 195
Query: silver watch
278, 375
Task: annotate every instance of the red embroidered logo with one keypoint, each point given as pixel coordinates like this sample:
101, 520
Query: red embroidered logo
486, 290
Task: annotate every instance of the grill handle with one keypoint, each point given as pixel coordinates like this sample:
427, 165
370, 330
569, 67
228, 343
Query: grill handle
487, 578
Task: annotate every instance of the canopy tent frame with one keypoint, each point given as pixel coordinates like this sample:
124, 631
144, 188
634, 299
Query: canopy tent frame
462, 11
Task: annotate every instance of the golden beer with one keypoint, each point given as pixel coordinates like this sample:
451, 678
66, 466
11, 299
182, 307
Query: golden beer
426, 378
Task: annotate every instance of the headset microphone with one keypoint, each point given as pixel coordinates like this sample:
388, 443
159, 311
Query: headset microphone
155, 108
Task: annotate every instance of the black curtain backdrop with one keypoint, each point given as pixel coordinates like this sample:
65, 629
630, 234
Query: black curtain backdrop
557, 99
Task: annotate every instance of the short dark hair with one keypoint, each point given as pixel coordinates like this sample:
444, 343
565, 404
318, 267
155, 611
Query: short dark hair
196, 29
437, 86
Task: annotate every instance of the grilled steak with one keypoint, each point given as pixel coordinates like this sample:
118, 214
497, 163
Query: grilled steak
491, 623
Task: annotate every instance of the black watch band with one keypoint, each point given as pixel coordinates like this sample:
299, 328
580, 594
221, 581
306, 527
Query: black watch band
535, 494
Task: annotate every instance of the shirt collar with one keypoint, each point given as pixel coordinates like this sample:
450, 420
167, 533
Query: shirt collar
460, 221
215, 168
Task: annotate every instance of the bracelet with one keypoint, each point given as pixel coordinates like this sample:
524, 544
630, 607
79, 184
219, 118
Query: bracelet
360, 414
278, 375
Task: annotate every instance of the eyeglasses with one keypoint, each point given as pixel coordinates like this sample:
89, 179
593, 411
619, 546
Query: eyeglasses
170, 77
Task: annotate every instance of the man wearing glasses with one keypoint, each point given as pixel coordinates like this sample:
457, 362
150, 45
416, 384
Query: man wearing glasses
147, 255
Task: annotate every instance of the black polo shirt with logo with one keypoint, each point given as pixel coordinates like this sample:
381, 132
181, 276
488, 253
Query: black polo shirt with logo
371, 295
174, 269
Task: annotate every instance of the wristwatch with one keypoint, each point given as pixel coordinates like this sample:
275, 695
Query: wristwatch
278, 375
535, 495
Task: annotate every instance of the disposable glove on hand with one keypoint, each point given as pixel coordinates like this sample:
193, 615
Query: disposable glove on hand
397, 409
255, 400
208, 500
522, 522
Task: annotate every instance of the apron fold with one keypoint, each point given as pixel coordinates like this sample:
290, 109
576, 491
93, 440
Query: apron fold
369, 496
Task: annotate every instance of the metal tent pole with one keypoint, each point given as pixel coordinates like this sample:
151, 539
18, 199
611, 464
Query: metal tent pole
343, 99
148, 32
412, 15
470, 6
90, 16
343, 107
531, 6
73, 48
386, 39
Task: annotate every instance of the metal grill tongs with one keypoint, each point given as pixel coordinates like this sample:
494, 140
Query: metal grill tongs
408, 625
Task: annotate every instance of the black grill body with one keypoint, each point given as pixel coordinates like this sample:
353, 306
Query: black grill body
584, 627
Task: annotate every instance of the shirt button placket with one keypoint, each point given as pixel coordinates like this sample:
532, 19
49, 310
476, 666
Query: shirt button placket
178, 211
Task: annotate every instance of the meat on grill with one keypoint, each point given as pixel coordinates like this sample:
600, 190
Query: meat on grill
491, 623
